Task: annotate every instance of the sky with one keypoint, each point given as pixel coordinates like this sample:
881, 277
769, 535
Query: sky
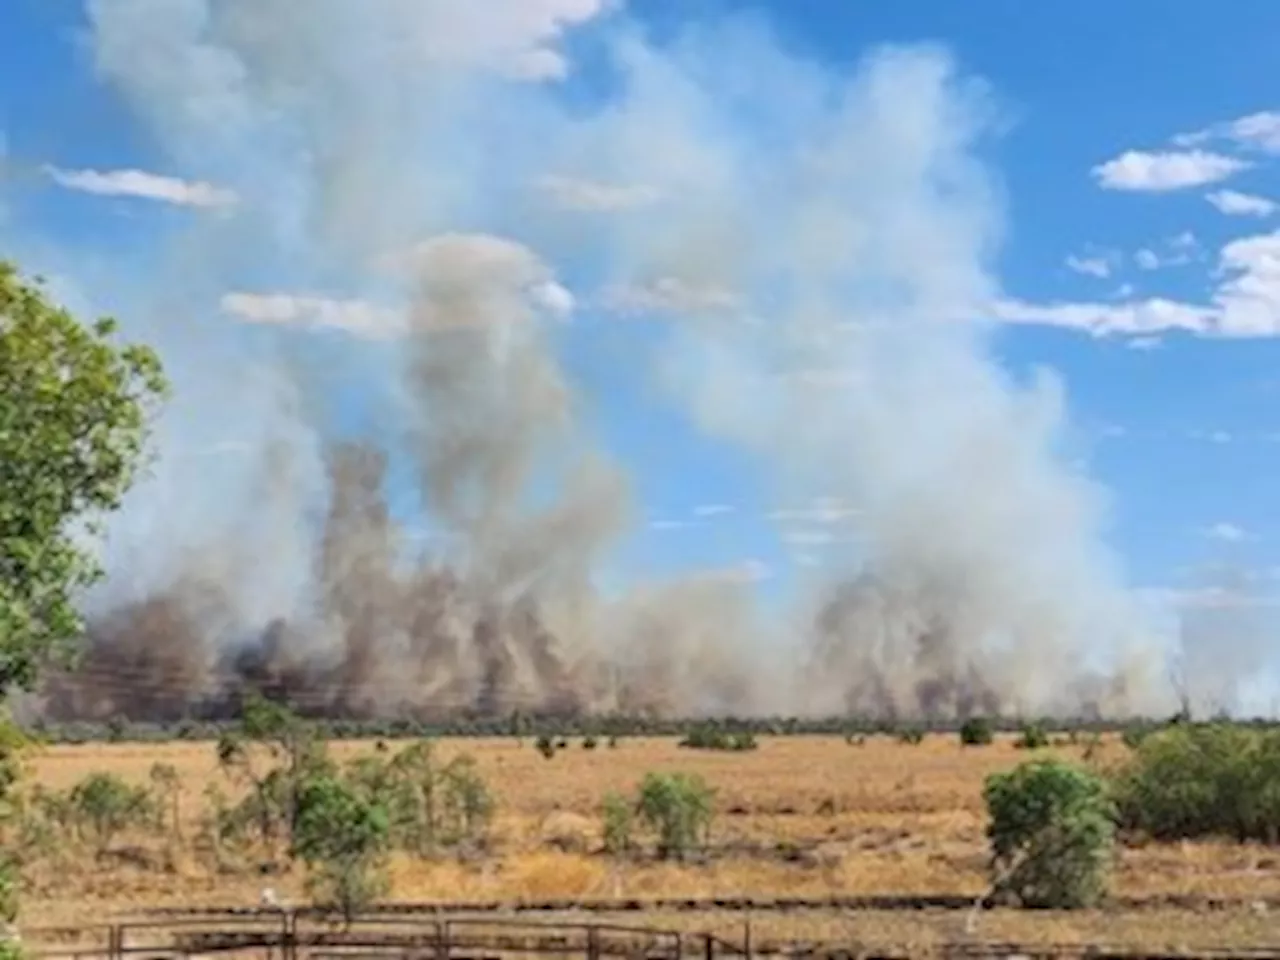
1126, 229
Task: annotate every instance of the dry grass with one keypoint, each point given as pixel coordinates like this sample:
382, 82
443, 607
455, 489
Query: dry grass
878, 818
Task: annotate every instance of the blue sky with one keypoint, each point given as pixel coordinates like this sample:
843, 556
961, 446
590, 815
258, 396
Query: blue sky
1132, 244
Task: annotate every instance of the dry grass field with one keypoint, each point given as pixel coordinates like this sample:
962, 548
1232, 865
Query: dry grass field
798, 817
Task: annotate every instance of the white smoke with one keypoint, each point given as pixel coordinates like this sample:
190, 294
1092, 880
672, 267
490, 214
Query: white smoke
426, 176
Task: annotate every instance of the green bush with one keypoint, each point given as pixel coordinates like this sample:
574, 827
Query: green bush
341, 836
911, 736
103, 806
1203, 780
976, 732
678, 808
546, 746
1034, 737
713, 737
1052, 828
618, 816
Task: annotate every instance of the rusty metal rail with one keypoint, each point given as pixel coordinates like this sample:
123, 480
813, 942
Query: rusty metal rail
888, 903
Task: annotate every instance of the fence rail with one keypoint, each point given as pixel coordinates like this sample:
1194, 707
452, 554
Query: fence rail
888, 903
301, 935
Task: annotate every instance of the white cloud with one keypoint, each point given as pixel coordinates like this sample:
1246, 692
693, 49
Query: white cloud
358, 317
1245, 303
1098, 267
665, 525
1259, 131
1163, 171
1236, 204
143, 185
1145, 343
584, 195
1211, 436
819, 510
459, 280
670, 295
1147, 259
1226, 532
712, 510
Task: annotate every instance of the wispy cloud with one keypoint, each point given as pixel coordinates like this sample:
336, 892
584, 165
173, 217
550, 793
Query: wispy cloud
1099, 267
1211, 436
1245, 302
1236, 204
666, 525
712, 510
1258, 131
820, 510
573, 193
670, 295
1226, 532
358, 317
1139, 170
143, 185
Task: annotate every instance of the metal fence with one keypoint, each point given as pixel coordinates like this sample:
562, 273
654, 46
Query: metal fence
304, 936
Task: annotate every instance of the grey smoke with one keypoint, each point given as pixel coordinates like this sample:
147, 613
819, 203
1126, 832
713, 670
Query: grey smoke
819, 243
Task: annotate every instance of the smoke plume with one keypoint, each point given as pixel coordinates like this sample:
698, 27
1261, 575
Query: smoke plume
382, 489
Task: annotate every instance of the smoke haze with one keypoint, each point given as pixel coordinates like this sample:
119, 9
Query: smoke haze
428, 207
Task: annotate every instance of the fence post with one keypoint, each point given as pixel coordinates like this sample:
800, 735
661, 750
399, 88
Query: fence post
679, 946
708, 948
593, 942
746, 938
115, 941
442, 940
289, 936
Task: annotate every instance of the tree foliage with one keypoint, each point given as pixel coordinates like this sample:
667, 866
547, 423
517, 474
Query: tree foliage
1189, 781
341, 835
1052, 827
976, 732
678, 808
74, 413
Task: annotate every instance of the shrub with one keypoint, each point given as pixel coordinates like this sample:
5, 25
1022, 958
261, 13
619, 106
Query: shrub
589, 742
1051, 830
103, 806
711, 737
546, 746
677, 807
1201, 780
618, 816
911, 736
976, 732
1034, 737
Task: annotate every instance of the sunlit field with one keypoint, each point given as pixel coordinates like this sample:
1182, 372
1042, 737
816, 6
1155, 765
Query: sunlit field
798, 817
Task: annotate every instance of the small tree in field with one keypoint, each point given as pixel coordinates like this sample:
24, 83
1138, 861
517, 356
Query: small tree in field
341, 836
976, 732
678, 807
1052, 827
104, 806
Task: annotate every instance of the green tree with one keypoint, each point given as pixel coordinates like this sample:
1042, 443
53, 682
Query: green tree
976, 732
1052, 829
75, 407
678, 808
342, 837
104, 806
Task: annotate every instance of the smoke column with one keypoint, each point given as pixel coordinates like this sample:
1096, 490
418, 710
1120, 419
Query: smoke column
427, 206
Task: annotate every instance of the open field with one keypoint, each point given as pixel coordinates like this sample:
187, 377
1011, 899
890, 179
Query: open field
799, 817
